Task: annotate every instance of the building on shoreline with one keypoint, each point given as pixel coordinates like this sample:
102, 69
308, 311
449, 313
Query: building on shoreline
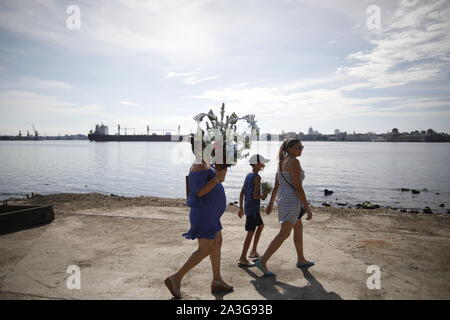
393, 136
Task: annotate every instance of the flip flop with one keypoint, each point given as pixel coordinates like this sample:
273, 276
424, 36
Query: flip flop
173, 291
260, 267
306, 264
255, 257
250, 264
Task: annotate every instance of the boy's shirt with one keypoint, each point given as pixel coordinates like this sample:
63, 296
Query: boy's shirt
251, 205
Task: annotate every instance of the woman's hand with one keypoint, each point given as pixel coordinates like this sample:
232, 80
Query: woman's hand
240, 213
309, 213
269, 208
221, 174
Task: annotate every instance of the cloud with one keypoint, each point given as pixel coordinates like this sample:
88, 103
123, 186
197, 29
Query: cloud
196, 80
315, 105
167, 29
190, 78
33, 83
128, 103
20, 108
414, 47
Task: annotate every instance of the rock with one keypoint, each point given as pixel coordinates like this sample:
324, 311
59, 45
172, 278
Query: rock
427, 210
236, 202
442, 205
231, 204
448, 211
326, 204
327, 192
437, 193
413, 211
341, 203
403, 210
425, 189
369, 205
405, 189
415, 191
358, 205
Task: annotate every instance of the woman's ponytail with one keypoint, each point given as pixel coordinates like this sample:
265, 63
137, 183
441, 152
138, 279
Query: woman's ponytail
282, 152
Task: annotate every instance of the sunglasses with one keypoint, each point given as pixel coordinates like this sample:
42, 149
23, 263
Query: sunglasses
301, 147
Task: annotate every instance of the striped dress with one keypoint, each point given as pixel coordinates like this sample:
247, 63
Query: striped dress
289, 205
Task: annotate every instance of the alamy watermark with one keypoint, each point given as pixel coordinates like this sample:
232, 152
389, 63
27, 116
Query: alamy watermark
74, 280
374, 20
374, 281
73, 22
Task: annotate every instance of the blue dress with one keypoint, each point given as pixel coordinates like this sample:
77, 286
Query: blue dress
206, 210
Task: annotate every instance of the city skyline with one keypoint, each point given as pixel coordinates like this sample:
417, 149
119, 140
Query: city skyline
353, 65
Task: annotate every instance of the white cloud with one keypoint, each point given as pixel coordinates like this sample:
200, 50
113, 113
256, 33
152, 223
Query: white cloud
196, 80
20, 108
169, 29
191, 78
414, 47
128, 103
42, 84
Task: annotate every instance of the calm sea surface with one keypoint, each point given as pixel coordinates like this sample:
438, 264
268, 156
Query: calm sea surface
355, 171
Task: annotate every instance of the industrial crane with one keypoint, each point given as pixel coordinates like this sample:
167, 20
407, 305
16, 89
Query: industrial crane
34, 130
118, 130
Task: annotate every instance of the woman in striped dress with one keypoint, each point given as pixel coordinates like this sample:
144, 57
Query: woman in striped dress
292, 203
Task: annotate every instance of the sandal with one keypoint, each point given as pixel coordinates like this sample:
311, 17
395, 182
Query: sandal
305, 264
245, 264
260, 267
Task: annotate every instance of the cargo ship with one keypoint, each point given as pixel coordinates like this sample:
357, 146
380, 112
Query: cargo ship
100, 134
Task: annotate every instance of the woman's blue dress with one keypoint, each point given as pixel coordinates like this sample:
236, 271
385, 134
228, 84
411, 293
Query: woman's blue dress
206, 210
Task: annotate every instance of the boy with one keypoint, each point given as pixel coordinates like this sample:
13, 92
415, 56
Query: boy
251, 191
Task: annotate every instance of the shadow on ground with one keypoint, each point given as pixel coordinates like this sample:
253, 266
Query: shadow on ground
271, 289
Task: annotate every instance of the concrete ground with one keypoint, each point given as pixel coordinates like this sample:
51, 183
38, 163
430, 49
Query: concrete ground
126, 253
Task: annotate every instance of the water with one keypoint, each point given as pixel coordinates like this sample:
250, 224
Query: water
355, 171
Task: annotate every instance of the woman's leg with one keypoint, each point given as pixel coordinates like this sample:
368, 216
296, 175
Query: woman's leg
285, 231
205, 247
217, 284
254, 251
215, 256
247, 241
298, 241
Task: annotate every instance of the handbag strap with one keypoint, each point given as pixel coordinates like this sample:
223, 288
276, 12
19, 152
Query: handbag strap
287, 181
281, 171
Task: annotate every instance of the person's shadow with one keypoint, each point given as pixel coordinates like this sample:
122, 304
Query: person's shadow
271, 289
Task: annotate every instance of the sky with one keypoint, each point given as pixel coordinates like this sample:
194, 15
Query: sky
295, 64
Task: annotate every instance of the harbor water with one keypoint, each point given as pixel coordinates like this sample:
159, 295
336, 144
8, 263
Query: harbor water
355, 171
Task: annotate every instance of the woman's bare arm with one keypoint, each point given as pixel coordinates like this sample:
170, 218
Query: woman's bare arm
209, 185
275, 190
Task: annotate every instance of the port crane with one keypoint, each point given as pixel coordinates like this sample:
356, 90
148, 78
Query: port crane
163, 130
34, 130
148, 130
